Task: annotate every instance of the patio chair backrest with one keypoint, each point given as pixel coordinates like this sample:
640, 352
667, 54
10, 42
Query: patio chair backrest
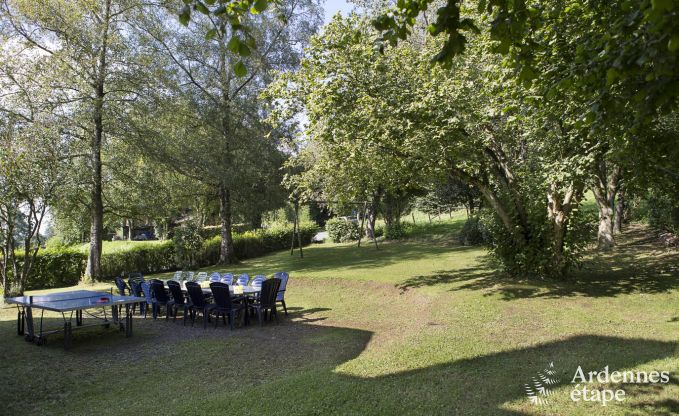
158, 291
214, 277
258, 280
269, 291
189, 276
202, 276
177, 276
135, 287
196, 294
176, 292
227, 278
221, 294
284, 278
122, 287
243, 279
146, 288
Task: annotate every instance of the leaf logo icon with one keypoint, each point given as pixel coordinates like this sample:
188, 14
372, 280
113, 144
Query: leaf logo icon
537, 390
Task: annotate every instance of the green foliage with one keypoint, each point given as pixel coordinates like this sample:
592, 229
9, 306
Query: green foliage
396, 230
187, 241
342, 231
258, 242
662, 211
145, 258
472, 232
58, 267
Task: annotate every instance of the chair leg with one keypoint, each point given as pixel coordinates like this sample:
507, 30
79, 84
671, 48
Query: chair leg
275, 313
232, 317
259, 316
205, 318
284, 307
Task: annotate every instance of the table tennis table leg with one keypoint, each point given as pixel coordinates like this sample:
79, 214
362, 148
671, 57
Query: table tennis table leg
128, 321
28, 319
79, 318
21, 320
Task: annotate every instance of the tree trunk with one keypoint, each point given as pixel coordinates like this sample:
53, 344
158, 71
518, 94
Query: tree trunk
558, 212
619, 213
226, 251
93, 270
604, 189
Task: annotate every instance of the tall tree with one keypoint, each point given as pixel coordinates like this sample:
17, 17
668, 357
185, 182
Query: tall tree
90, 49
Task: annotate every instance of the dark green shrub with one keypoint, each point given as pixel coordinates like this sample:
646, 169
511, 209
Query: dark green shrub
55, 268
62, 267
342, 231
472, 233
188, 243
396, 231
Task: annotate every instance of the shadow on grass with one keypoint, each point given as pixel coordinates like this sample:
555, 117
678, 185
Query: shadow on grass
480, 385
636, 266
292, 368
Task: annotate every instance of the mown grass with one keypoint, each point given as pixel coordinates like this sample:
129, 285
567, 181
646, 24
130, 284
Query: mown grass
422, 326
116, 246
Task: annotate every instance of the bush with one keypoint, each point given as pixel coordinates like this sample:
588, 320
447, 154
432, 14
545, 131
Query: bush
472, 233
59, 267
342, 231
187, 242
256, 243
396, 231
53, 268
145, 258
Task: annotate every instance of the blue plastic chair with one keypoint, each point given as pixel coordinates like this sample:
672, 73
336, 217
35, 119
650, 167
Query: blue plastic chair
201, 277
177, 276
214, 277
227, 278
280, 297
122, 286
148, 294
258, 280
243, 279
136, 290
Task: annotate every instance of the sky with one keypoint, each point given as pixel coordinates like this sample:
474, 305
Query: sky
333, 6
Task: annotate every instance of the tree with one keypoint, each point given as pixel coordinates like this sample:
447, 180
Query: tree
632, 45
391, 121
30, 161
207, 111
93, 69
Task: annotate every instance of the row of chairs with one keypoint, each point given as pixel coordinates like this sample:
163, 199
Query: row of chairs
243, 279
137, 286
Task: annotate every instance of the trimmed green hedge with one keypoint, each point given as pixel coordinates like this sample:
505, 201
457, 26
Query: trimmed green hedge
56, 268
61, 267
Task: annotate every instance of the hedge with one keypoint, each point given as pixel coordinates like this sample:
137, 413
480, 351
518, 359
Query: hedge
64, 266
341, 230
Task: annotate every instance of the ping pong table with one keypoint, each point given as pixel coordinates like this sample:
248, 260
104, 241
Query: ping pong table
71, 304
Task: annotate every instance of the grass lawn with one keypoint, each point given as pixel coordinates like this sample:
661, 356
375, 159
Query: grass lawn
423, 326
115, 246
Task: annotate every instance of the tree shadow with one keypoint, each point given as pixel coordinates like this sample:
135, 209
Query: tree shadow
479, 385
637, 265
296, 367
